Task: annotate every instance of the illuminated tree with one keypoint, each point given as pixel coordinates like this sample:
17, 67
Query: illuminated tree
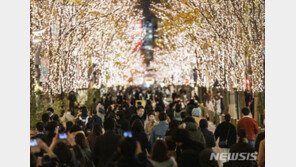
224, 40
86, 42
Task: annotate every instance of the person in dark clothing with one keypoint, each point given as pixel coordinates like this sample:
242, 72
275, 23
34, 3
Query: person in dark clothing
259, 138
190, 106
55, 118
106, 145
184, 143
93, 105
140, 136
84, 115
69, 125
40, 133
50, 128
160, 106
226, 132
205, 158
125, 103
173, 125
148, 108
72, 99
188, 159
170, 111
130, 155
132, 109
122, 121
242, 147
95, 133
140, 115
45, 118
196, 98
209, 136
50, 112
95, 119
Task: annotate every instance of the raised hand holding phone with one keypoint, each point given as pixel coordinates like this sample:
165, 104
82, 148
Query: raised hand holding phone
34, 148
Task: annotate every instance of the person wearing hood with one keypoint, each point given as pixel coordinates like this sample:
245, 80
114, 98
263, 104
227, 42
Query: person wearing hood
194, 131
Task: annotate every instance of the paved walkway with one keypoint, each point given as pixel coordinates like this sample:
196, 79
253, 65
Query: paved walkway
212, 128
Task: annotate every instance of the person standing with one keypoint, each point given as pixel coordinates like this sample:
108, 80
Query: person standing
160, 157
93, 106
209, 136
249, 125
72, 98
159, 130
226, 133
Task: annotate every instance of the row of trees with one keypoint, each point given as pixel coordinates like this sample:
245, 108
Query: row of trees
82, 43
221, 40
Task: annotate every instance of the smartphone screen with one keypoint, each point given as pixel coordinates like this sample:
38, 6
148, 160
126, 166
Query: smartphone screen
63, 136
33, 142
127, 134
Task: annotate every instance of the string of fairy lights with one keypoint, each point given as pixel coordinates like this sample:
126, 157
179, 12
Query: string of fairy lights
220, 40
91, 43
85, 43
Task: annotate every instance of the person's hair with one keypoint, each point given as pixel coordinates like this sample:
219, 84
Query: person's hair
189, 119
40, 126
97, 129
174, 124
181, 135
51, 126
80, 123
241, 133
203, 123
62, 151
183, 115
109, 124
50, 109
69, 125
128, 147
162, 116
62, 113
191, 101
188, 159
45, 117
171, 105
94, 99
80, 140
246, 111
137, 126
227, 117
75, 128
55, 117
159, 151
178, 107
83, 111
120, 113
139, 108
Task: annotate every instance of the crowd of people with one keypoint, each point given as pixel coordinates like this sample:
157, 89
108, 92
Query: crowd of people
142, 128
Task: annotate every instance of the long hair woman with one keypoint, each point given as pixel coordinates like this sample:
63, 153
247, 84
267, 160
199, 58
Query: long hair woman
160, 157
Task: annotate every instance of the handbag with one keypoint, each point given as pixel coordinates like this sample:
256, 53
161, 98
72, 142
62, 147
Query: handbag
224, 143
